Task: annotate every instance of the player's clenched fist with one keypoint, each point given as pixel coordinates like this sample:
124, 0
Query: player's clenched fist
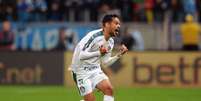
123, 50
103, 50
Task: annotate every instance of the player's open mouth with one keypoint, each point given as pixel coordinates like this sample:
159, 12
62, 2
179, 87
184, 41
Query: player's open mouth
117, 31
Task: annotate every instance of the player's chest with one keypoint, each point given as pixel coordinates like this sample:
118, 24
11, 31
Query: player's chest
106, 44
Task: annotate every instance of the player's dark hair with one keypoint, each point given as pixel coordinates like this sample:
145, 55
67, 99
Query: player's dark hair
109, 18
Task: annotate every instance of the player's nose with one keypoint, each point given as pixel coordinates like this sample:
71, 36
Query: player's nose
118, 26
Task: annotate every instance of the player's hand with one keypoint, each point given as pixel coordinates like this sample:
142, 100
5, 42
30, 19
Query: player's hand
103, 50
123, 50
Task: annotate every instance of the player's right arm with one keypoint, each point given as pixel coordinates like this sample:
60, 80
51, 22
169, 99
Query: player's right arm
86, 52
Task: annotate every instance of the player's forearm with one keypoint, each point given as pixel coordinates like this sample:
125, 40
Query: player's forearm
86, 55
109, 61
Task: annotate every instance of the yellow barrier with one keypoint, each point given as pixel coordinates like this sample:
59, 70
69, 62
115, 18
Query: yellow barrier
154, 69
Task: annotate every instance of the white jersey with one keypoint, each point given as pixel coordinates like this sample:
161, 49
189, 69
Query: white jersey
87, 52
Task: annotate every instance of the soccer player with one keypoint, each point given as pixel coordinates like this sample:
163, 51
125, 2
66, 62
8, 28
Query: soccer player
96, 48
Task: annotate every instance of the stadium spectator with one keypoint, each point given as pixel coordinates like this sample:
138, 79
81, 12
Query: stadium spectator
2, 11
189, 7
106, 8
103, 9
61, 46
67, 39
73, 10
24, 9
71, 38
160, 7
39, 10
176, 8
6, 37
10, 12
92, 6
126, 9
66, 10
149, 4
190, 31
92, 10
198, 2
139, 42
138, 11
55, 13
127, 39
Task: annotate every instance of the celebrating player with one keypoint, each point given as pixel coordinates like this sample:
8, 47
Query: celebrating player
96, 48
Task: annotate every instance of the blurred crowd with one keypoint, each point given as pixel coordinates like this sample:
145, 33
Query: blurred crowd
185, 12
92, 10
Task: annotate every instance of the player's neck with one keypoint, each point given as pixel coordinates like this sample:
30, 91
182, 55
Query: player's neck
106, 35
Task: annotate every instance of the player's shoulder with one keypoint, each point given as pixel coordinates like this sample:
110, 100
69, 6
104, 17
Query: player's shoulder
95, 31
96, 34
91, 35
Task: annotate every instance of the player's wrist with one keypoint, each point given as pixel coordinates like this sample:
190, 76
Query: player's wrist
119, 55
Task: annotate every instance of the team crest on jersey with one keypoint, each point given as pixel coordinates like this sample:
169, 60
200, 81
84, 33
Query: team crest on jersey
82, 89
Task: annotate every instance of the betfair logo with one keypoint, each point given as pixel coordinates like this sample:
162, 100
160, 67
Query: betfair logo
181, 73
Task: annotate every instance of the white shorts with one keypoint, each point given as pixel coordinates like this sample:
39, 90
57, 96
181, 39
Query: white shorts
87, 83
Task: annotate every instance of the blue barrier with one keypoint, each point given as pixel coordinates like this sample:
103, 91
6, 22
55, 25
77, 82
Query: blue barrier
39, 37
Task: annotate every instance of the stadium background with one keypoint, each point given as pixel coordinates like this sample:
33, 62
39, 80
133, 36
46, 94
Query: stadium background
35, 58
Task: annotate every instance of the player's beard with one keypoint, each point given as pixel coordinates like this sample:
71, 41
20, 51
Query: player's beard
112, 34
116, 33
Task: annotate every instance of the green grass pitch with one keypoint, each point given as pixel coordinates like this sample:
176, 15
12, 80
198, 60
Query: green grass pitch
59, 93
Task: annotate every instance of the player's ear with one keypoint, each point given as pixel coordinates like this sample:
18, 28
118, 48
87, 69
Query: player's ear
106, 24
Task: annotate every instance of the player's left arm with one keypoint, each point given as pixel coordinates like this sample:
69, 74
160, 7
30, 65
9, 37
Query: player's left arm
108, 60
